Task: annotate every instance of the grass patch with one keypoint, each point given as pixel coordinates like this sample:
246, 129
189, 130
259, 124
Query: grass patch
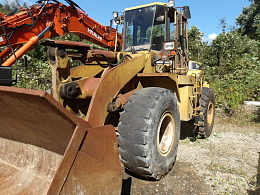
245, 119
223, 169
244, 115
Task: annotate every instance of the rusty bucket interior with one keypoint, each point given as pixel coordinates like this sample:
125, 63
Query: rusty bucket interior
39, 144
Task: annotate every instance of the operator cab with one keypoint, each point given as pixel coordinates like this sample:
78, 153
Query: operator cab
146, 27
160, 28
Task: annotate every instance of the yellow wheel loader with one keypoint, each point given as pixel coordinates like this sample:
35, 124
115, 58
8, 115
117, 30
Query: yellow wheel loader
124, 105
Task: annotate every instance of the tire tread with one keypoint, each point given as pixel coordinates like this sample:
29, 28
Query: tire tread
133, 142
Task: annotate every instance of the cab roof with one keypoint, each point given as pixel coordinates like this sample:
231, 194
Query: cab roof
146, 5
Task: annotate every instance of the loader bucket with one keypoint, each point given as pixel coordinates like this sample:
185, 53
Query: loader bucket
44, 149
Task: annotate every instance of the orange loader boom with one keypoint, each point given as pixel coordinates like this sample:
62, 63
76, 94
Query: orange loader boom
48, 20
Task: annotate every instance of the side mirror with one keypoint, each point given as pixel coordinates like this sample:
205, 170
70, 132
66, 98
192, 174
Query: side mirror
6, 76
186, 12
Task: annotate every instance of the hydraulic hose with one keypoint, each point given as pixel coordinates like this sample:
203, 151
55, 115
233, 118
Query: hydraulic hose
113, 65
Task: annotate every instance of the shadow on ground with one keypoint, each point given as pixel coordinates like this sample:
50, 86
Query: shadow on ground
126, 186
182, 179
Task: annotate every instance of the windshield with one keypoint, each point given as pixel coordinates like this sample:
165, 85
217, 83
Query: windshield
138, 25
148, 27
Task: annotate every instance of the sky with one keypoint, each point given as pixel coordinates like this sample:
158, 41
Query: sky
206, 14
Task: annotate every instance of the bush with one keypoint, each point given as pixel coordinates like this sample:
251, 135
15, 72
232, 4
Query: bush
233, 70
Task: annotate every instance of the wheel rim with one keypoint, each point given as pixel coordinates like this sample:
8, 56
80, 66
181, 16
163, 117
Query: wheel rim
210, 113
165, 134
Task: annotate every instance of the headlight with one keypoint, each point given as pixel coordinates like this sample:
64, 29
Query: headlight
169, 46
115, 14
171, 3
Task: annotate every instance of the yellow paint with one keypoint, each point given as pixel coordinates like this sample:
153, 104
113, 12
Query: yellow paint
206, 84
192, 72
186, 80
146, 5
186, 105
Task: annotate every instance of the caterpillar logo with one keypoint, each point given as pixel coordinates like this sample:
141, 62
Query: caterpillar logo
95, 34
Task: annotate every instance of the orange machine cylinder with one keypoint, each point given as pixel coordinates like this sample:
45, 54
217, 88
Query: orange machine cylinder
20, 52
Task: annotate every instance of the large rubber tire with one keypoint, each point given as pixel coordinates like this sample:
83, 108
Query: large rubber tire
208, 109
149, 131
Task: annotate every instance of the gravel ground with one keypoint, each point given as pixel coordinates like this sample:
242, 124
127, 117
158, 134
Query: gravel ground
226, 163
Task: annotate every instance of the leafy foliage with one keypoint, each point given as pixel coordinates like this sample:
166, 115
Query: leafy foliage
249, 20
36, 76
232, 67
196, 45
9, 8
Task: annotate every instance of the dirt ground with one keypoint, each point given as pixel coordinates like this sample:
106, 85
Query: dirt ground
226, 163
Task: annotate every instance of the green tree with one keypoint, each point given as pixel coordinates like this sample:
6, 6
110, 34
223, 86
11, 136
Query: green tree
233, 69
196, 45
249, 20
9, 8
